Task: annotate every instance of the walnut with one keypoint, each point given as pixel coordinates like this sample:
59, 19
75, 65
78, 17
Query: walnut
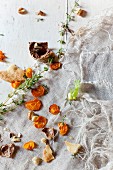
40, 51
48, 154
22, 11
41, 13
49, 132
8, 150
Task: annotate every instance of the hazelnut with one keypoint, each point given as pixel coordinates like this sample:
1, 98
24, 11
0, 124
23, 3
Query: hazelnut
36, 160
22, 11
30, 115
34, 118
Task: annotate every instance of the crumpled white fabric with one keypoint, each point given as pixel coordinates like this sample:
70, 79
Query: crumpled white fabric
89, 58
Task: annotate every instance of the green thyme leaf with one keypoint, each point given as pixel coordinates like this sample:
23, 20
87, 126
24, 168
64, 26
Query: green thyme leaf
45, 68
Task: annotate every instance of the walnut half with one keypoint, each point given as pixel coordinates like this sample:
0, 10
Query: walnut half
40, 51
8, 150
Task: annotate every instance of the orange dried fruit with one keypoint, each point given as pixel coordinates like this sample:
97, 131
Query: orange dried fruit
63, 128
40, 122
54, 109
38, 92
16, 84
2, 56
33, 105
29, 145
55, 66
29, 72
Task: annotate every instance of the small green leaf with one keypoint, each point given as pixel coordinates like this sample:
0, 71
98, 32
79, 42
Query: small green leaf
50, 60
72, 95
45, 68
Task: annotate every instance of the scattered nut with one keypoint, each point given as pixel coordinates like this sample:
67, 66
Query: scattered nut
15, 139
34, 118
81, 12
19, 135
8, 150
48, 154
6, 129
37, 160
41, 13
12, 134
22, 11
44, 140
30, 115
49, 132
72, 147
40, 51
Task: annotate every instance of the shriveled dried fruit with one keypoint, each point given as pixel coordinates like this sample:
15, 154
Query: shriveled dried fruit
41, 13
22, 11
55, 66
49, 132
63, 128
72, 147
54, 109
29, 145
40, 122
38, 92
16, 84
36, 160
40, 51
2, 56
48, 154
8, 150
29, 72
33, 105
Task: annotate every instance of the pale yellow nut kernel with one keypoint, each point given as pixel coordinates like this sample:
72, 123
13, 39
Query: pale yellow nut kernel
34, 118
36, 160
30, 115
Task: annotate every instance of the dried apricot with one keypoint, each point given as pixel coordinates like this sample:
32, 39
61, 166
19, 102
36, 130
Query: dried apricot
29, 145
64, 128
33, 105
16, 84
40, 122
55, 66
29, 72
54, 109
38, 92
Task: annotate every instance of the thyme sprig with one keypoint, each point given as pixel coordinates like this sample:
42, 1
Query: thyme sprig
17, 97
65, 29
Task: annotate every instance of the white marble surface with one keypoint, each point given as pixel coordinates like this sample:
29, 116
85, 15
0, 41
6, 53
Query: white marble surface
19, 30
